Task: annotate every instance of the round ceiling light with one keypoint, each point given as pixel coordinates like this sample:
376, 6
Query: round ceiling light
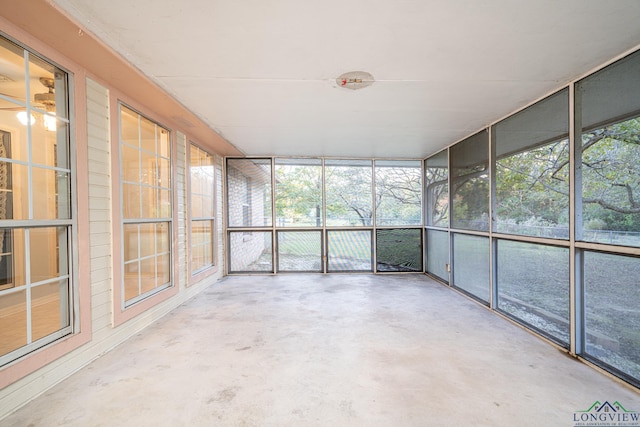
355, 80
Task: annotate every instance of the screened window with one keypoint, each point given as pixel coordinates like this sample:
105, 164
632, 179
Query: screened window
470, 183
250, 252
298, 192
533, 286
349, 192
437, 189
145, 159
471, 265
612, 318
203, 210
300, 251
398, 192
609, 105
399, 250
438, 254
35, 203
532, 170
249, 192
349, 250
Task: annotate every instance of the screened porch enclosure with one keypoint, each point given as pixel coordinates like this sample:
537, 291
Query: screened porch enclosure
324, 215
536, 217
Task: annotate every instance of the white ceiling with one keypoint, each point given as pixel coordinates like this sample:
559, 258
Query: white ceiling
262, 72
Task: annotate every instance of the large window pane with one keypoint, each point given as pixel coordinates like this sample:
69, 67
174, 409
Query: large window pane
471, 265
612, 313
300, 251
399, 249
250, 251
532, 170
533, 286
249, 192
349, 250
438, 254
437, 189
398, 192
470, 183
298, 192
348, 188
610, 112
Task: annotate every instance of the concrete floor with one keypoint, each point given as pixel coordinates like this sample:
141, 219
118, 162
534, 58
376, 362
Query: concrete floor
335, 350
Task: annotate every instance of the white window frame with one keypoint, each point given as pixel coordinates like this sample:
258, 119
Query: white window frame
145, 220
69, 307
212, 218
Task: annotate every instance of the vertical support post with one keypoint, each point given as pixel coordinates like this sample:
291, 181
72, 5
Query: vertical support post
493, 245
274, 241
576, 261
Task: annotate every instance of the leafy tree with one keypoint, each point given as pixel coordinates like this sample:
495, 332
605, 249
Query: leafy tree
535, 183
398, 195
348, 192
299, 194
437, 195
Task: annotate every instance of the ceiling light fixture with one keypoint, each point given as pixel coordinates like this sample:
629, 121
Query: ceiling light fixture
355, 80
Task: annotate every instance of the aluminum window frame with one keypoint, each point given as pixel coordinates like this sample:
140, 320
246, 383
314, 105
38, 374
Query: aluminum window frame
324, 229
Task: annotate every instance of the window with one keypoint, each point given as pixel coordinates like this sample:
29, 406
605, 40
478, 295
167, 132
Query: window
532, 170
610, 121
533, 286
399, 249
145, 153
349, 250
348, 188
612, 332
438, 254
471, 265
300, 251
437, 190
36, 222
202, 172
249, 197
398, 192
250, 252
298, 192
249, 192
470, 183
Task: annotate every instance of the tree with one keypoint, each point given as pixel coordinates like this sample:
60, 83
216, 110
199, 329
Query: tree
535, 183
348, 192
398, 195
437, 195
299, 194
